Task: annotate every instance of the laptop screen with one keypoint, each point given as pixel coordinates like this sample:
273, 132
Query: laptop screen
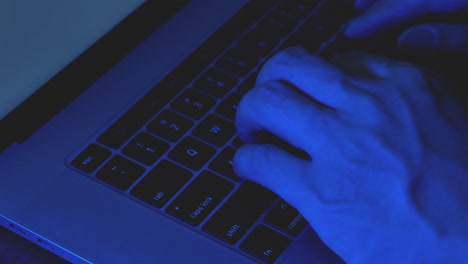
39, 38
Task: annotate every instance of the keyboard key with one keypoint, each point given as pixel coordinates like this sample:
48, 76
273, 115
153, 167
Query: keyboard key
170, 125
265, 243
299, 8
258, 42
215, 130
279, 23
222, 164
248, 84
200, 198
338, 10
237, 142
129, 123
145, 149
192, 153
304, 40
120, 172
215, 82
161, 183
91, 158
237, 62
240, 212
228, 107
318, 28
193, 104
286, 218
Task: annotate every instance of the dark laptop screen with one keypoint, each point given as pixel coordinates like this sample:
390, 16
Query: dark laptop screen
39, 38
52, 51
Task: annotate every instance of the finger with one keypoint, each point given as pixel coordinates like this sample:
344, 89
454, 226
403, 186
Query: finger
383, 15
315, 77
292, 178
363, 4
272, 167
364, 65
435, 40
278, 109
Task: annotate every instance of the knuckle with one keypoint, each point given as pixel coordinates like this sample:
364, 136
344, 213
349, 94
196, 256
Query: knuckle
258, 99
289, 56
370, 108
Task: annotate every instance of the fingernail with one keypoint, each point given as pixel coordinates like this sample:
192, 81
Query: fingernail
418, 40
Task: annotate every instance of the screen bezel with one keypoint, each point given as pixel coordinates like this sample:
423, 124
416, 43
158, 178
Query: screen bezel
77, 76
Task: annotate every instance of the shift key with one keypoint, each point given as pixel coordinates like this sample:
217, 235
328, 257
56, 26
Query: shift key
240, 212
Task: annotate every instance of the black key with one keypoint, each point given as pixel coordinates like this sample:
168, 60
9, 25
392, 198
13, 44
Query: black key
279, 23
91, 158
127, 125
265, 244
258, 42
329, 52
215, 82
286, 218
237, 142
192, 153
145, 148
171, 85
200, 198
193, 104
237, 62
170, 125
248, 84
338, 10
215, 130
120, 172
161, 183
228, 107
299, 8
222, 164
306, 41
240, 212
318, 28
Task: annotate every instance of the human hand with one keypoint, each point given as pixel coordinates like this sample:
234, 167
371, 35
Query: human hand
442, 47
380, 15
388, 177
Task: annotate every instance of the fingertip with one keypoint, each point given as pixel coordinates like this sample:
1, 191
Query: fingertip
251, 160
239, 162
435, 39
419, 39
353, 30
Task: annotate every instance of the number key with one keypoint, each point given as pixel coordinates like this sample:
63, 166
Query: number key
170, 125
215, 82
193, 104
228, 107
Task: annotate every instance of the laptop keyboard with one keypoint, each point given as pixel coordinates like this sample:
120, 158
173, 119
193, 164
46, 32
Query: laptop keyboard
172, 150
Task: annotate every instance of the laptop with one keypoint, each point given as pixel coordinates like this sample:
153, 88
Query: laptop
117, 128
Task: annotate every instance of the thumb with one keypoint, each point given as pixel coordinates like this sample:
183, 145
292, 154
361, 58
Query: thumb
435, 40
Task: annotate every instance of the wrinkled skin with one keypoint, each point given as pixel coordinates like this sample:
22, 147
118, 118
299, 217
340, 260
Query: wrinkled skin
388, 174
387, 178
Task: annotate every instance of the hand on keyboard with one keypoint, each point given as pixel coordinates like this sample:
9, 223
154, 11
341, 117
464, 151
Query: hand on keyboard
382, 14
386, 182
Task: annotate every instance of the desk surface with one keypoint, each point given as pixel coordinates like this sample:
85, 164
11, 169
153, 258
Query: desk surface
15, 249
